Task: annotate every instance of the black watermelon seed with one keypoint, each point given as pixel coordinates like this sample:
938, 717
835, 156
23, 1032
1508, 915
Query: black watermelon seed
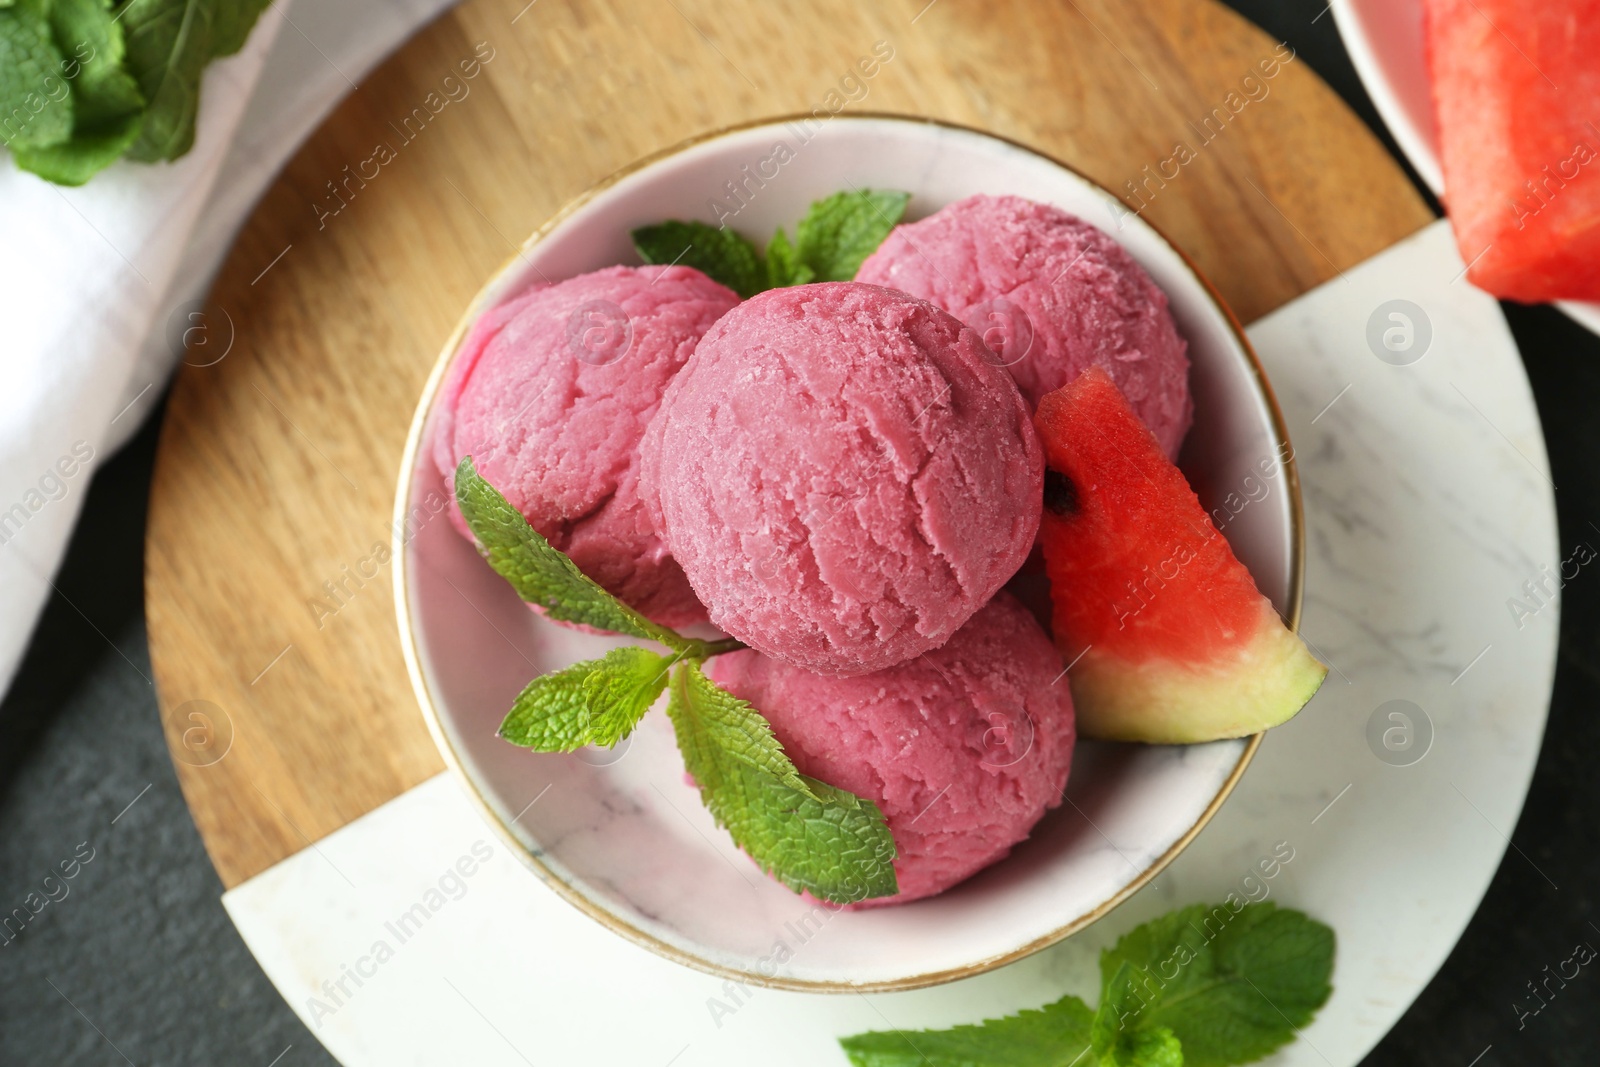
1060, 495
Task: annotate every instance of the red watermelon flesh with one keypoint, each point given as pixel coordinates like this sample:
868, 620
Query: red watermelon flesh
1516, 90
1167, 638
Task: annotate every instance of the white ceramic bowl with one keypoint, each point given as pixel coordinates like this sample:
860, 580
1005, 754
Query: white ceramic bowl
1385, 42
619, 833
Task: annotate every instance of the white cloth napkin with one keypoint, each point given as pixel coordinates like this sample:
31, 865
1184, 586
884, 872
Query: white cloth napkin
91, 278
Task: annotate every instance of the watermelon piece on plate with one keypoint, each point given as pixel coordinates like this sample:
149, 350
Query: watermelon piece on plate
1516, 91
1168, 639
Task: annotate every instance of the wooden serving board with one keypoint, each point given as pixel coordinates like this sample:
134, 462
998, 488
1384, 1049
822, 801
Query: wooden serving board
268, 585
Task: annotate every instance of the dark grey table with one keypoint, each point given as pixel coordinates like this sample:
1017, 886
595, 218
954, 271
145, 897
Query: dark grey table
137, 963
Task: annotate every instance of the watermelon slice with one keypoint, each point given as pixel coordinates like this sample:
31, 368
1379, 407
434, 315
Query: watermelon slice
1166, 636
1516, 91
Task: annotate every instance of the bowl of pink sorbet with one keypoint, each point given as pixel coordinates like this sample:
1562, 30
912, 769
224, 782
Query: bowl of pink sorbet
619, 832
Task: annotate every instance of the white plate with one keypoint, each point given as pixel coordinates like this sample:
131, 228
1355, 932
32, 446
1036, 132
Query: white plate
621, 835
1384, 39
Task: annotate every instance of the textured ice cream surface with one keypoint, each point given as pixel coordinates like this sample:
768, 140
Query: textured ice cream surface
963, 749
550, 395
843, 475
1052, 295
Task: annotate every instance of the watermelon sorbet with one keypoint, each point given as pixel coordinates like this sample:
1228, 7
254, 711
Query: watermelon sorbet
1052, 296
550, 395
963, 749
844, 475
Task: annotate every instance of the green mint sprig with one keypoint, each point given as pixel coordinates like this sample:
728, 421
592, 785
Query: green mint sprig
1199, 987
837, 233
1249, 985
86, 82
807, 834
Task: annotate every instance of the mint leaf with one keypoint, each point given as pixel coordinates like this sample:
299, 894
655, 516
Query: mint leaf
91, 40
169, 45
1231, 984
783, 264
829, 843
552, 713
1056, 1035
597, 702
35, 101
620, 694
1158, 1047
721, 254
86, 154
844, 229
1119, 1043
1111, 1024
738, 730
540, 573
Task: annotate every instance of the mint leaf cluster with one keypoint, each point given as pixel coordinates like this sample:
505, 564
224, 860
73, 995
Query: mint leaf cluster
1199, 987
829, 244
86, 82
807, 834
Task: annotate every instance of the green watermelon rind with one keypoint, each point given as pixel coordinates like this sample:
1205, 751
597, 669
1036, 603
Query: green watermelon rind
1262, 683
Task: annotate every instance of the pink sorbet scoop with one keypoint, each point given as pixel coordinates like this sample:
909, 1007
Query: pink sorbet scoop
843, 475
1052, 296
550, 395
963, 749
